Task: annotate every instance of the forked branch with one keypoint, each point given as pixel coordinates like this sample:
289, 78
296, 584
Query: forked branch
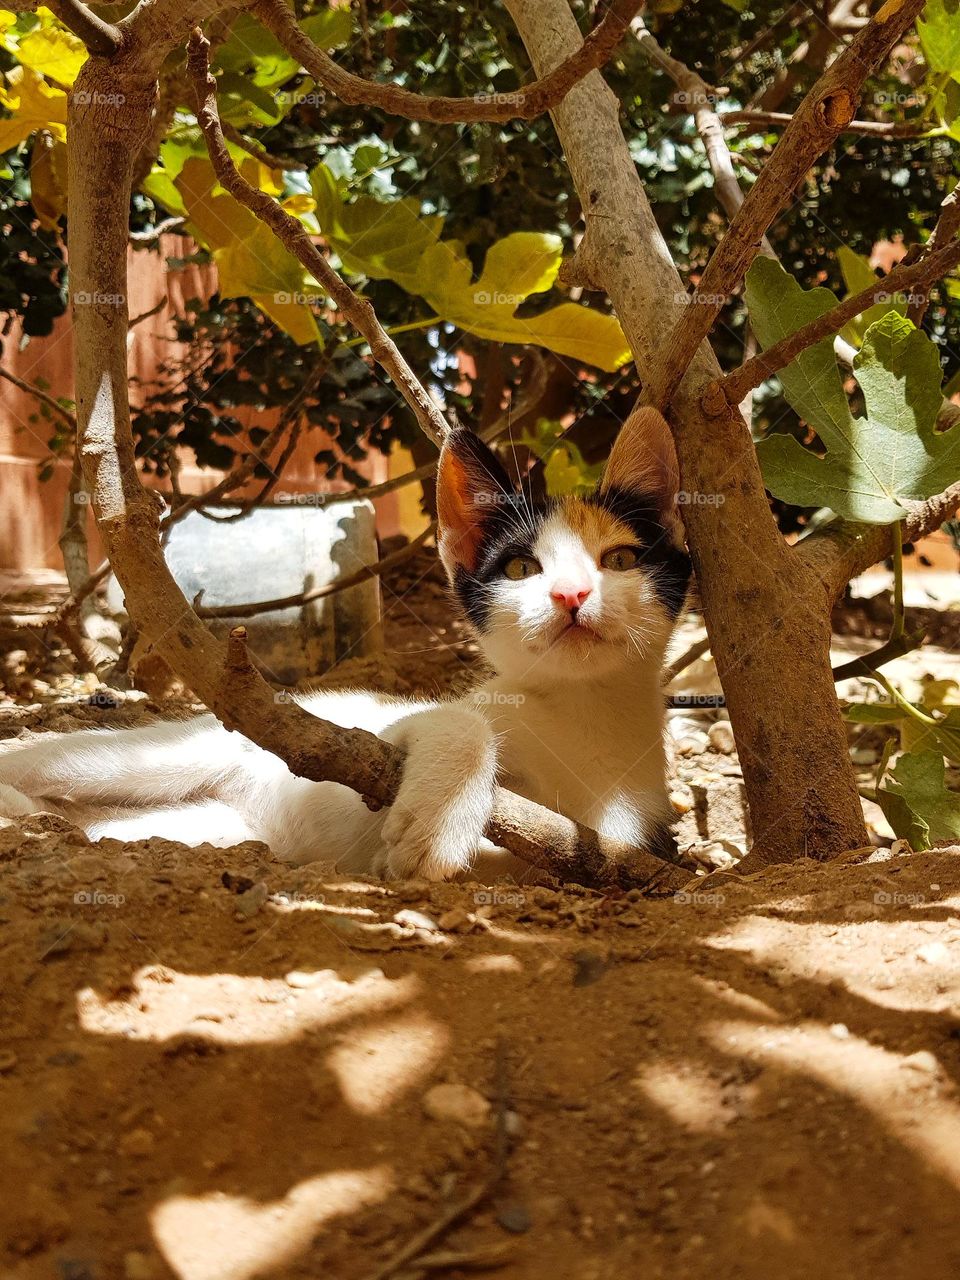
822, 115
521, 104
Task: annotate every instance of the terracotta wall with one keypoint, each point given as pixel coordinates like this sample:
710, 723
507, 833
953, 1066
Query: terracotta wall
31, 510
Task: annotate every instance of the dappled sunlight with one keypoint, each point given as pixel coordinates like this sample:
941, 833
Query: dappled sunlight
689, 1096
905, 963
380, 1063
227, 1237
907, 1094
165, 1003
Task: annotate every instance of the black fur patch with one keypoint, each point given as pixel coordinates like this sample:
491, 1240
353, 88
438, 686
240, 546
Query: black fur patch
669, 565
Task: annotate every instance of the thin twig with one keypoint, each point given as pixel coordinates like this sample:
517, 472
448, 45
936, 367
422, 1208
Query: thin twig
316, 593
948, 224
149, 234
292, 234
825, 111
43, 396
257, 151
525, 103
780, 119
700, 98
685, 660
246, 468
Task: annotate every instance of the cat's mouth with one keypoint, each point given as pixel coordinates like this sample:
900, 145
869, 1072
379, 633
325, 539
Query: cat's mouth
580, 630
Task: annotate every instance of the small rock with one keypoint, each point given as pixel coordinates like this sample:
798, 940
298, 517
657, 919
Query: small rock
456, 920
416, 920
457, 1102
692, 744
934, 953
302, 980
138, 1143
840, 1031
249, 903
720, 735
515, 1218
588, 967
923, 1060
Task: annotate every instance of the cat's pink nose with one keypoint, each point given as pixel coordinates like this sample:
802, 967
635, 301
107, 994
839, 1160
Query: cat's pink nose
570, 594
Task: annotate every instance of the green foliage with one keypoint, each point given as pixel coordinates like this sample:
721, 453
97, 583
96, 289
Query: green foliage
917, 803
871, 463
565, 470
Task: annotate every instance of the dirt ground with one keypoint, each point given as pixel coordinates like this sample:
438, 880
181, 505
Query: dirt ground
215, 1067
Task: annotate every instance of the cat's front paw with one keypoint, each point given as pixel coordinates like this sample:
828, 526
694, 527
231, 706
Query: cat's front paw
435, 826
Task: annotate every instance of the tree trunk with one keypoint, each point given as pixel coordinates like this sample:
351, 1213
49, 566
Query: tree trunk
767, 614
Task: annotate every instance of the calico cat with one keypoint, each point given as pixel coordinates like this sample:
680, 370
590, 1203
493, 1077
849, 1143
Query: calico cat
573, 603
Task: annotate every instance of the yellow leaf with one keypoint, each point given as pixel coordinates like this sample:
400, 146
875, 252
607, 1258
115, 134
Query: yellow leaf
52, 50
33, 105
487, 307
394, 240
251, 261
48, 180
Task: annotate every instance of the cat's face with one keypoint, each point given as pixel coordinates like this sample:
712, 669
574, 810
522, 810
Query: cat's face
575, 587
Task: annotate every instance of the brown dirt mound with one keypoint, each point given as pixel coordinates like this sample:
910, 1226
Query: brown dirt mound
215, 1080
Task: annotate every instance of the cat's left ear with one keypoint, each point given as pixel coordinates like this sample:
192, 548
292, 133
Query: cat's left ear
643, 461
472, 489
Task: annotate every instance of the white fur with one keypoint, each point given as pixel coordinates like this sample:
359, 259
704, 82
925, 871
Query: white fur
573, 720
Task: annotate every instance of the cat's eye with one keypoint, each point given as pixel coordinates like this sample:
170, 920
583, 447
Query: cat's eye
620, 559
518, 567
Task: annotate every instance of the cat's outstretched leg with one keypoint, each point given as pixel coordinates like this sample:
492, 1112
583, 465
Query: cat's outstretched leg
435, 826
156, 764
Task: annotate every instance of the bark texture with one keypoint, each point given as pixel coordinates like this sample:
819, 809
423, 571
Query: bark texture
767, 613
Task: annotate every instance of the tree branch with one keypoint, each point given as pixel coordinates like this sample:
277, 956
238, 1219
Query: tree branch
43, 396
948, 225
825, 111
291, 233
844, 548
903, 278
101, 38
700, 98
521, 104
364, 574
778, 119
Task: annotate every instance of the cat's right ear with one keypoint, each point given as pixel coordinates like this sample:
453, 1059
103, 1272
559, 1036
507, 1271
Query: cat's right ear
472, 487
